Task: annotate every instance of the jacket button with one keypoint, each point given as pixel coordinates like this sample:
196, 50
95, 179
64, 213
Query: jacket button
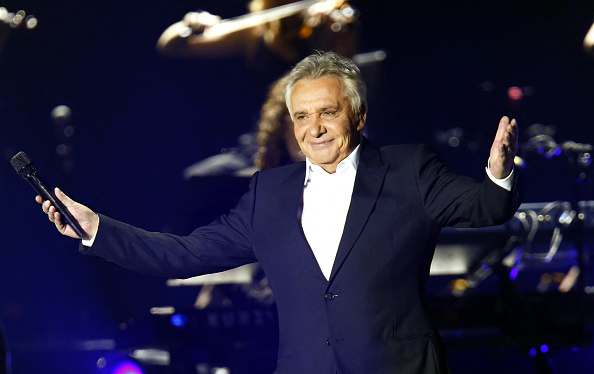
330, 296
328, 341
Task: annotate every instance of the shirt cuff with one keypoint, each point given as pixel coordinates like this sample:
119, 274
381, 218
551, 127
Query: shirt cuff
89, 242
505, 183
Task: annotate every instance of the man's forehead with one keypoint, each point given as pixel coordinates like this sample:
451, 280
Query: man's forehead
322, 92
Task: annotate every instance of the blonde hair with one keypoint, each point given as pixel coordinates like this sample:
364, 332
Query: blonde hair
272, 150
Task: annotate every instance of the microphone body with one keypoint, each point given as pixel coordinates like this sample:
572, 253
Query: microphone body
24, 167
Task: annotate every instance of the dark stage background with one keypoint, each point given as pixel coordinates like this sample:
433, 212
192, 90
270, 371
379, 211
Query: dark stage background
140, 118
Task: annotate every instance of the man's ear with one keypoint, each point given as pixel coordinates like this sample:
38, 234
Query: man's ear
361, 123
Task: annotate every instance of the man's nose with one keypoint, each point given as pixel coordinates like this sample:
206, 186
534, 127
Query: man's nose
316, 127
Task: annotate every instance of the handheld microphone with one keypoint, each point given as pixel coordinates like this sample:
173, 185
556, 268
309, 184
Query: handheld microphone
24, 167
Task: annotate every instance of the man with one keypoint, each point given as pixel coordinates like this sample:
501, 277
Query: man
346, 238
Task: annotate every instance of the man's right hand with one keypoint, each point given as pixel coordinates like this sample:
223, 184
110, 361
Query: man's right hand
87, 219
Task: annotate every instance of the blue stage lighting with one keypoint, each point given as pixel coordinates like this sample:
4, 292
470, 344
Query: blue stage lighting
513, 273
179, 320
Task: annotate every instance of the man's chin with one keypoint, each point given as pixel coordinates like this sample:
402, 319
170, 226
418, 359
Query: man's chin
320, 158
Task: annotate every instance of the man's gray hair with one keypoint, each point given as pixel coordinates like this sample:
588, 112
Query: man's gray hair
330, 64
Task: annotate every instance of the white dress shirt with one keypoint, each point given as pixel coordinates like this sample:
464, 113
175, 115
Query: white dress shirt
326, 201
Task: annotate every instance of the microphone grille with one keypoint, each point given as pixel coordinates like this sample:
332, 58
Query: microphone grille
20, 161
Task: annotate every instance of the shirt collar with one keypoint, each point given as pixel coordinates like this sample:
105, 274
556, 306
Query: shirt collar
352, 161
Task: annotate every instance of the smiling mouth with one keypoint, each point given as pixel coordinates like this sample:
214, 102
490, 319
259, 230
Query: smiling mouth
320, 144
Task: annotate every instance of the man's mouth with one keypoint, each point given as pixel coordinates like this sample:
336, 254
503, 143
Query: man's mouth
320, 144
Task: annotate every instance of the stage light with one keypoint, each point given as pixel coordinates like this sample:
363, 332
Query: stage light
127, 368
589, 40
519, 162
220, 371
513, 273
515, 93
117, 363
61, 114
179, 320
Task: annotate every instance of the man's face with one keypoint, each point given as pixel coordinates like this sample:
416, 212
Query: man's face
326, 127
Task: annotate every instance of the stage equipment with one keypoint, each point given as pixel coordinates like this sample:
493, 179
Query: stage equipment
524, 284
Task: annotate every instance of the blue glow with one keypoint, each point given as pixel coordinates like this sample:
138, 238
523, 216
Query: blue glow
532, 352
179, 320
578, 180
127, 368
485, 267
513, 273
557, 151
544, 348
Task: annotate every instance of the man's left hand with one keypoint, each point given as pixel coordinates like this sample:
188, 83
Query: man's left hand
504, 148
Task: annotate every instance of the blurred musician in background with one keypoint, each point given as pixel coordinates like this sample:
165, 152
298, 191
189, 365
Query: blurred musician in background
216, 183
273, 144
280, 30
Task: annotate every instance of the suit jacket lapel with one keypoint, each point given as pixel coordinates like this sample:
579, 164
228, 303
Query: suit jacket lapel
368, 183
293, 193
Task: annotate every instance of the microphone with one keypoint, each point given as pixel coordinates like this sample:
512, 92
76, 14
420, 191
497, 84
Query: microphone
24, 167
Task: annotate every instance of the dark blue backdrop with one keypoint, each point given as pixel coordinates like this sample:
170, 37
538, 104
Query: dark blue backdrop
140, 118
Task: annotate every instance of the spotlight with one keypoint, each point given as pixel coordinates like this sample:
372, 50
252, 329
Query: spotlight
179, 320
127, 368
117, 363
515, 93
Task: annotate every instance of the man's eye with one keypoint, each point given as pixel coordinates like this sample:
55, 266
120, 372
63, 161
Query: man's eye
329, 113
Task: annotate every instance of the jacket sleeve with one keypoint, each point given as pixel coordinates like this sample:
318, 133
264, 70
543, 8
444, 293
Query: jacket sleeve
459, 201
224, 244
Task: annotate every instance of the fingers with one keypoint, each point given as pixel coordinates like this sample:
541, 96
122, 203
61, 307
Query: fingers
86, 218
63, 197
502, 130
515, 132
507, 135
50, 210
54, 216
504, 148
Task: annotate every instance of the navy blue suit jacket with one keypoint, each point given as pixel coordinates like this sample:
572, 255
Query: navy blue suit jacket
369, 317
